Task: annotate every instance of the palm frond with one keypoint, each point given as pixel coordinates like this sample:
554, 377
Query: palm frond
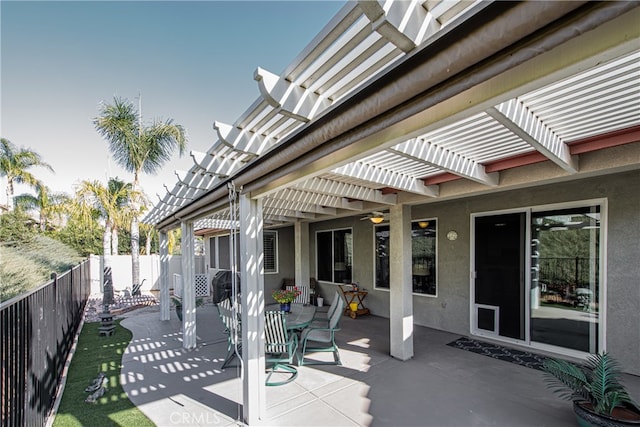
604, 379
567, 380
597, 382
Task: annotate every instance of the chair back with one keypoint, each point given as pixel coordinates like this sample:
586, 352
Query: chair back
334, 304
275, 332
334, 320
229, 318
303, 298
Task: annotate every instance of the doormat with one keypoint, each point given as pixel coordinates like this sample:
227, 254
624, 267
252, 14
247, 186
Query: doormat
519, 357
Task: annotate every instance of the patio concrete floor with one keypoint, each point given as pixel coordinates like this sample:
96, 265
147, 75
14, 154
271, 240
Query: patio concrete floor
439, 386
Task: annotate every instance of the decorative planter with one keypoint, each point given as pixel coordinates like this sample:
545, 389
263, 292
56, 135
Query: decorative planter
286, 307
620, 417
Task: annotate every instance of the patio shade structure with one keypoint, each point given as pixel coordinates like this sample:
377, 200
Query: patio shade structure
396, 103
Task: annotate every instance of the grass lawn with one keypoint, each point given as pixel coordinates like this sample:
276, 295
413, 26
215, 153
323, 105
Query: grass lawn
95, 354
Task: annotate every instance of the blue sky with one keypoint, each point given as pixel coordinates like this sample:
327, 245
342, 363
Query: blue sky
191, 61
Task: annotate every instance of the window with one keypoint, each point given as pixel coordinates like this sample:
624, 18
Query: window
381, 279
423, 256
334, 255
270, 250
220, 255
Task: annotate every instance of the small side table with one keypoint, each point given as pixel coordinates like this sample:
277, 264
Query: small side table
355, 299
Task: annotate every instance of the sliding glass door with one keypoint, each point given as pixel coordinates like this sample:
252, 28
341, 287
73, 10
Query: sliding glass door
565, 277
537, 277
499, 284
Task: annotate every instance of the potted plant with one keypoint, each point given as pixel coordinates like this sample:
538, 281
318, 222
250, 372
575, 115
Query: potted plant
599, 398
285, 297
177, 302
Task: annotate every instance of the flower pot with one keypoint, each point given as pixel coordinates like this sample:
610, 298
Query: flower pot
619, 417
286, 307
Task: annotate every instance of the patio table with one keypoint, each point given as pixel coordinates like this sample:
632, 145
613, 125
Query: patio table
299, 317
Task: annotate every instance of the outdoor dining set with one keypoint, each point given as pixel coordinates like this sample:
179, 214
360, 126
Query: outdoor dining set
289, 335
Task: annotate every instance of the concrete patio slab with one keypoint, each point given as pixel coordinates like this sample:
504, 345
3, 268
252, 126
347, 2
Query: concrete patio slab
440, 386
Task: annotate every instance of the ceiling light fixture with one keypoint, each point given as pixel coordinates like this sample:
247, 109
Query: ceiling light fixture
376, 219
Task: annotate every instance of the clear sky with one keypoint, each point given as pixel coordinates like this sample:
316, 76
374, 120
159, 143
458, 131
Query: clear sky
191, 61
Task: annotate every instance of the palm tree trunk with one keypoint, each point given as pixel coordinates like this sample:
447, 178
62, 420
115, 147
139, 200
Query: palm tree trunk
135, 234
135, 251
107, 295
43, 220
147, 243
106, 239
9, 194
114, 241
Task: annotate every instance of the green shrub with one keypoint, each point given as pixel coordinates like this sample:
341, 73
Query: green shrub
16, 228
27, 265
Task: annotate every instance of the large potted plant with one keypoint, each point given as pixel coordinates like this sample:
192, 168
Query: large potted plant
177, 302
599, 398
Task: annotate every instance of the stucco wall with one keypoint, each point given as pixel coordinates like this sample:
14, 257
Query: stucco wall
450, 309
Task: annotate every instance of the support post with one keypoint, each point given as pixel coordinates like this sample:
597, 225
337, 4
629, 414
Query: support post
165, 303
251, 253
401, 295
301, 238
188, 288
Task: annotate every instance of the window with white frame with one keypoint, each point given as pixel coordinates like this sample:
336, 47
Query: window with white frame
219, 251
334, 255
270, 250
423, 256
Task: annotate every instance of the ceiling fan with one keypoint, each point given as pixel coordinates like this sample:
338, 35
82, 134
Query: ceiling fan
375, 217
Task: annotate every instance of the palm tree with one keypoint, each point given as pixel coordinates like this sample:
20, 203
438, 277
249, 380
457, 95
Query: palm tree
150, 233
112, 203
138, 149
14, 163
45, 202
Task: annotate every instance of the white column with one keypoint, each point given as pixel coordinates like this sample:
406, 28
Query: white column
188, 287
252, 296
400, 299
301, 238
165, 304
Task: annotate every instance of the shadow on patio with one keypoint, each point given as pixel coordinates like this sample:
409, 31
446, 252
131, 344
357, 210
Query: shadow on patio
440, 386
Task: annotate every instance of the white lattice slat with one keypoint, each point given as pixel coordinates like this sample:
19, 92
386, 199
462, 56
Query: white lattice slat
202, 285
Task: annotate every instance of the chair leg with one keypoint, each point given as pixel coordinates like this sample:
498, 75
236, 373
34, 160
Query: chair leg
231, 354
279, 368
334, 349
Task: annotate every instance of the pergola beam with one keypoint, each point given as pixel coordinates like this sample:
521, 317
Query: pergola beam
446, 160
518, 119
343, 189
287, 98
386, 178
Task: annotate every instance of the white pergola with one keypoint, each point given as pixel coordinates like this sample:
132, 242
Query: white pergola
402, 102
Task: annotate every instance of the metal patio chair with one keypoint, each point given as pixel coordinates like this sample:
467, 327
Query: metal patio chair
305, 293
280, 347
321, 318
233, 329
323, 338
